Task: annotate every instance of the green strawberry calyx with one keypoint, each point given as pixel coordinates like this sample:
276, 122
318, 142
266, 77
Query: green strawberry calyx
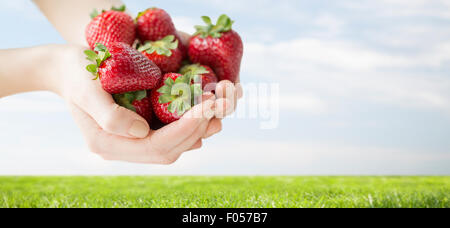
180, 94
99, 55
224, 24
161, 47
95, 12
194, 72
126, 99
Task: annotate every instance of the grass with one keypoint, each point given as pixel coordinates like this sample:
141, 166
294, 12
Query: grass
225, 192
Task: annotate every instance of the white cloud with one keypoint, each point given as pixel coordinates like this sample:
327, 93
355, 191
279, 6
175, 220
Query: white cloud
402, 8
343, 70
331, 25
302, 103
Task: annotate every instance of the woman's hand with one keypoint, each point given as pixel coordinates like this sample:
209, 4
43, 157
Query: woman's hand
114, 132
117, 133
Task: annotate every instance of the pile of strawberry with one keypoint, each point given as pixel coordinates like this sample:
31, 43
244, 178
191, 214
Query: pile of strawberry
146, 67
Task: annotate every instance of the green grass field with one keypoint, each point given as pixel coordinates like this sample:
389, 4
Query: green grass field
225, 192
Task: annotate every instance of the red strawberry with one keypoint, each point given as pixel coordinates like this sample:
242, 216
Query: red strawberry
174, 97
110, 27
165, 53
138, 102
201, 74
219, 47
122, 69
154, 24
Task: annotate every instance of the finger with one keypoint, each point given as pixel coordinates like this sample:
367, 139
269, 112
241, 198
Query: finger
179, 131
87, 125
239, 91
206, 96
184, 38
224, 108
108, 146
226, 89
111, 117
197, 145
191, 141
215, 126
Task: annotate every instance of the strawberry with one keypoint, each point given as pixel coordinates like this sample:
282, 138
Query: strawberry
154, 24
201, 74
122, 69
165, 53
110, 27
137, 102
174, 97
219, 47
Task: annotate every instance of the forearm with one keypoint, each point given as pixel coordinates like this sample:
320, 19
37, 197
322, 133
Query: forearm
27, 69
70, 17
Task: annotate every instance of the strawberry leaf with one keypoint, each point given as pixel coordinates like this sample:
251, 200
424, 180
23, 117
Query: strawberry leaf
164, 90
172, 108
91, 55
139, 95
224, 24
194, 72
92, 68
100, 47
122, 8
166, 98
126, 99
197, 92
168, 38
94, 13
182, 80
169, 82
179, 94
162, 47
142, 13
103, 53
98, 58
207, 20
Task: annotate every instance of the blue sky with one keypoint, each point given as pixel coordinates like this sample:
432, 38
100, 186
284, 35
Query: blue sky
364, 89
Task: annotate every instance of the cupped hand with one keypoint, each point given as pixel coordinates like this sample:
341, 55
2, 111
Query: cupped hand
117, 133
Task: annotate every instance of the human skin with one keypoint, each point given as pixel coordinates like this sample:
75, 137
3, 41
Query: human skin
113, 132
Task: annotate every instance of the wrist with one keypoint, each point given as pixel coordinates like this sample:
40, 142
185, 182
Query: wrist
47, 68
28, 70
58, 67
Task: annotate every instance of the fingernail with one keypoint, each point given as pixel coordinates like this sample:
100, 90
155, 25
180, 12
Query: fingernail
139, 129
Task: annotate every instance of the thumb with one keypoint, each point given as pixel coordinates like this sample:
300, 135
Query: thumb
113, 118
